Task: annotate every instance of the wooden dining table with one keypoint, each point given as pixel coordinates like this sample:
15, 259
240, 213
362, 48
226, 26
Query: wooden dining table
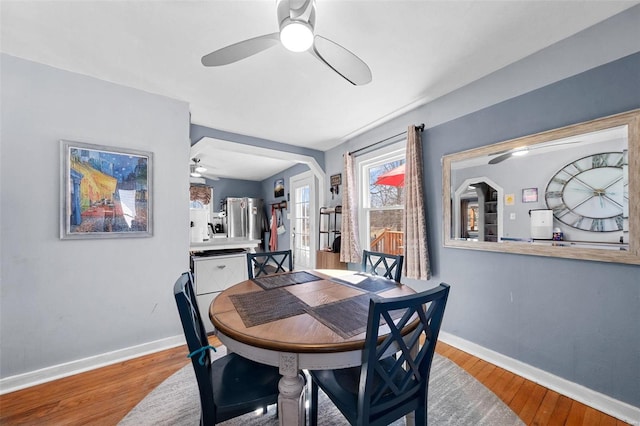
299, 320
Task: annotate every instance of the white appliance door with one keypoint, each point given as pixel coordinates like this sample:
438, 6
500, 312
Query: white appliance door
236, 217
254, 218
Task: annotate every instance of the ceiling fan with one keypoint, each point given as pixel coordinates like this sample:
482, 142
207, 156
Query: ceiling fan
296, 34
197, 170
517, 152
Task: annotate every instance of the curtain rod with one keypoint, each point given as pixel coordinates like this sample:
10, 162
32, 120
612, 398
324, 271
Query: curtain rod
420, 127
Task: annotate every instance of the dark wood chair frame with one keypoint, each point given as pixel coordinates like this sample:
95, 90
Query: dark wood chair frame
257, 263
392, 263
231, 385
388, 387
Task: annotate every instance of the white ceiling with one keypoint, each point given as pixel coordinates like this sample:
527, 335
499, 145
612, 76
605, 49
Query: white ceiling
417, 51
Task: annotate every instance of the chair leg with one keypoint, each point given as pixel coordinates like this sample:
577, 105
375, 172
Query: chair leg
420, 416
313, 409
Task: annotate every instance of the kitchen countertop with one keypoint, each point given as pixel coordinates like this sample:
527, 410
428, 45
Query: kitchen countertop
224, 244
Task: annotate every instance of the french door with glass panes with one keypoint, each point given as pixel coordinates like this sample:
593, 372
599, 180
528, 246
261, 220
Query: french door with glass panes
303, 213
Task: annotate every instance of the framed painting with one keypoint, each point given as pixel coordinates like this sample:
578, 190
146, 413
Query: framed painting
530, 195
106, 192
278, 188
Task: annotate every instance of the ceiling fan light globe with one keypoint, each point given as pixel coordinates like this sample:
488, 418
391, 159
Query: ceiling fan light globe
200, 169
193, 172
296, 36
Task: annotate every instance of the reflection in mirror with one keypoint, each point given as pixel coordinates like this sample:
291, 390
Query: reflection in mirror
570, 192
484, 198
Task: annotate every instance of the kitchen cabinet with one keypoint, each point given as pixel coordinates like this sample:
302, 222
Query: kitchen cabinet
214, 272
329, 260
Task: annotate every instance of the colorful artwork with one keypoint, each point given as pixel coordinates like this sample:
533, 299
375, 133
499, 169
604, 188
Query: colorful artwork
106, 192
509, 199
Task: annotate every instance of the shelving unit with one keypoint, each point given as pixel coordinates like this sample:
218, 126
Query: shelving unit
491, 215
329, 226
328, 230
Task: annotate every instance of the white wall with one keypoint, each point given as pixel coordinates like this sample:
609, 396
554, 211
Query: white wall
63, 301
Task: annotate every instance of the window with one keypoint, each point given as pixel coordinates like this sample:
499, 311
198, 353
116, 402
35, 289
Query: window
381, 184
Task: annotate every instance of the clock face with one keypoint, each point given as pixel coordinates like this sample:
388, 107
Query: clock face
588, 194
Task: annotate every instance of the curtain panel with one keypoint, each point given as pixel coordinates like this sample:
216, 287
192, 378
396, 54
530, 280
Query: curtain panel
416, 253
200, 193
350, 250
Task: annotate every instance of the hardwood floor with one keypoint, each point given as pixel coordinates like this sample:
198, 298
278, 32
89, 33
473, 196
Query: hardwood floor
106, 395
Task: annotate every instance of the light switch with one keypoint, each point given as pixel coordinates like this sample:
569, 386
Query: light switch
512, 216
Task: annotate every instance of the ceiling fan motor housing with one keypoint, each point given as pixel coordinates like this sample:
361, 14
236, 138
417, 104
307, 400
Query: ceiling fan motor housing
305, 14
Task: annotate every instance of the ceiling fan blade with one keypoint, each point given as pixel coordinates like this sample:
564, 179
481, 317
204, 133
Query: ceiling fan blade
508, 153
500, 158
342, 61
237, 51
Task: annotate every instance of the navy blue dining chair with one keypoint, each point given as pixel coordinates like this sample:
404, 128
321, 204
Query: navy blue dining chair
387, 265
393, 379
269, 262
230, 385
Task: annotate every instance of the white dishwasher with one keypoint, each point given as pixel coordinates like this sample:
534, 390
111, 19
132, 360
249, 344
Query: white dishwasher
214, 271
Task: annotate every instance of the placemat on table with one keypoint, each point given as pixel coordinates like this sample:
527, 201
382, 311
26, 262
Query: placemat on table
370, 283
347, 317
261, 307
282, 280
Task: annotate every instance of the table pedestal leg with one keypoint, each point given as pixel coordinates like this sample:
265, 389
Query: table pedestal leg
291, 401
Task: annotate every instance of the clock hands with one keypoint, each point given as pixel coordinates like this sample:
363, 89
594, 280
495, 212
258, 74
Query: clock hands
602, 194
589, 194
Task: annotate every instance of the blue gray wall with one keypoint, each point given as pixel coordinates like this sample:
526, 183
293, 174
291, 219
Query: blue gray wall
575, 319
63, 301
224, 188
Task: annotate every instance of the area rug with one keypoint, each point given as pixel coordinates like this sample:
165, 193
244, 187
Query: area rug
455, 398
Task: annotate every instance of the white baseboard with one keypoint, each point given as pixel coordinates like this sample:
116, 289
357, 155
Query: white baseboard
589, 397
32, 378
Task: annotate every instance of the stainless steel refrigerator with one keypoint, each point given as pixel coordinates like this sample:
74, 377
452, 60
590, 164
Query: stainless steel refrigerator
245, 217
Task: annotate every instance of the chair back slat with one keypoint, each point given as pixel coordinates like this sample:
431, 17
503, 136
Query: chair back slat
268, 263
387, 265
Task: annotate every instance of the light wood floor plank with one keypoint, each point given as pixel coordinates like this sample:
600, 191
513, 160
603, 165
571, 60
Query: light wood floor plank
576, 415
548, 404
530, 408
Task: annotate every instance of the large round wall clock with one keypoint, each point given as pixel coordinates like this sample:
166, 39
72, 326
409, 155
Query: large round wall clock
588, 193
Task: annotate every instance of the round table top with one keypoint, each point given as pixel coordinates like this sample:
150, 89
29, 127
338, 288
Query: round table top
316, 311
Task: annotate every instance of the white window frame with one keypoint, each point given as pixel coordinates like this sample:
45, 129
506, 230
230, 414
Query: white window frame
364, 162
